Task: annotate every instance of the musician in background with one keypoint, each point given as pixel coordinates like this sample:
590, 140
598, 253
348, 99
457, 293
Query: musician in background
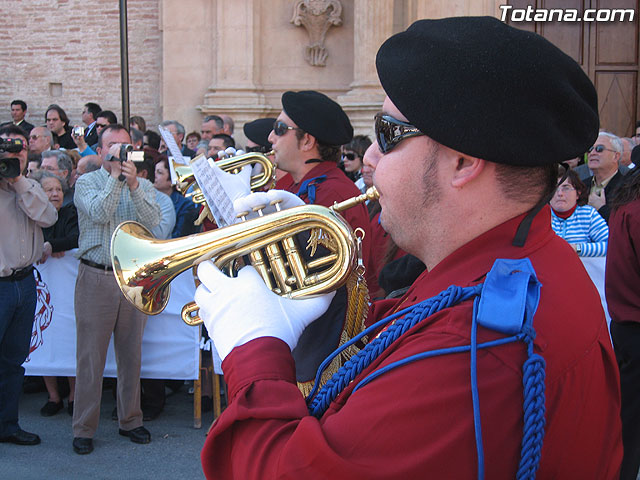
104, 201
24, 211
462, 183
306, 139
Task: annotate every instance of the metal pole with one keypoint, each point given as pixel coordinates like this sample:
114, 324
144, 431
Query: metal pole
124, 63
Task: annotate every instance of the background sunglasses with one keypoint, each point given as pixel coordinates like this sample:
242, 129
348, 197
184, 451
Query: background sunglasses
390, 131
600, 149
349, 156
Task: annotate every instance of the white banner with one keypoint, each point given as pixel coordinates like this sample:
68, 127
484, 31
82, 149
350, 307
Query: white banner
595, 267
170, 348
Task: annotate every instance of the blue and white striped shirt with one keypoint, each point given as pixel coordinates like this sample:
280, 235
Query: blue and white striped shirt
585, 227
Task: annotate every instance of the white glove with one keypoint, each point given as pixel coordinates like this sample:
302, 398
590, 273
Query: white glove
267, 200
238, 310
236, 185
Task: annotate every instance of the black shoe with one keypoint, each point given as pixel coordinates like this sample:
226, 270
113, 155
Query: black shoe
149, 414
82, 446
114, 413
51, 408
137, 435
21, 438
70, 408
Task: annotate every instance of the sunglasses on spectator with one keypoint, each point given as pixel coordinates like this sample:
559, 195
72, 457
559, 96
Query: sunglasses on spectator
600, 149
390, 132
280, 128
349, 156
102, 125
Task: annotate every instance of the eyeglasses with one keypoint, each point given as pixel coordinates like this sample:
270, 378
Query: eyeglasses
280, 128
390, 132
566, 188
349, 156
102, 125
35, 137
600, 149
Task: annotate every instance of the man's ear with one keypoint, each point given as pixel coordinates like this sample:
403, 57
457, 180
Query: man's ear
467, 169
307, 142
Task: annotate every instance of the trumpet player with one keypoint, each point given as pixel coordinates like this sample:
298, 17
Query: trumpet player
507, 375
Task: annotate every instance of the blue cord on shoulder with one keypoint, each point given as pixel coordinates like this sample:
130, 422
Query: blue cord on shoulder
506, 302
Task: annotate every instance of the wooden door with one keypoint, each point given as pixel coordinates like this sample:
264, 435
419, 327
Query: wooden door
607, 51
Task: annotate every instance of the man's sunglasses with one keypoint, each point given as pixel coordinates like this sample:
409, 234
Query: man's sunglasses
280, 128
349, 156
600, 149
102, 125
390, 131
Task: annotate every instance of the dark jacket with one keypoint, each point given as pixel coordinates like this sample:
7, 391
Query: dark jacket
609, 193
63, 235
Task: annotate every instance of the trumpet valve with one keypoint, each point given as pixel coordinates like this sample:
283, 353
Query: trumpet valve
276, 204
258, 209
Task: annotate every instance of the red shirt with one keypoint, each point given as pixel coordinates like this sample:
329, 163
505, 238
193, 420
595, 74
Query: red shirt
336, 188
622, 275
416, 421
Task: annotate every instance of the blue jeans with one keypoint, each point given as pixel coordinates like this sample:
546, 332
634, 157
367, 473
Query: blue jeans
17, 309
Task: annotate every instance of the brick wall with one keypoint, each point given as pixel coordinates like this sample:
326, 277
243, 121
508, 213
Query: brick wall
77, 44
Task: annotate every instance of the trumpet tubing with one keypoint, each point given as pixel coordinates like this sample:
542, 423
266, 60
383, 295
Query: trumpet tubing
188, 186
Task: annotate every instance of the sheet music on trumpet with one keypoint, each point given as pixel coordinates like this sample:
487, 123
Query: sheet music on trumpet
217, 198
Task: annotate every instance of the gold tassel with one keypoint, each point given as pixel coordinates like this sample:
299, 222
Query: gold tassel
357, 310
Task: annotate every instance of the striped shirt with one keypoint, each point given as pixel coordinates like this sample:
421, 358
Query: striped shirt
103, 202
586, 228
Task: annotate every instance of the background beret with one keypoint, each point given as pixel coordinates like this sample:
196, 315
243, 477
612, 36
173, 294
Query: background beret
258, 131
489, 90
318, 115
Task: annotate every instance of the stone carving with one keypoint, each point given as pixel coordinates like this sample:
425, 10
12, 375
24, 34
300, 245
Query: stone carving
317, 16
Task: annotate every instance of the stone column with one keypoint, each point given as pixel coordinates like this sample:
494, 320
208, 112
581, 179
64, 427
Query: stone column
234, 90
373, 24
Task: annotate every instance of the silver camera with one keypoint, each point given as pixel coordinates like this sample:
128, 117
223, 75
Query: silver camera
77, 132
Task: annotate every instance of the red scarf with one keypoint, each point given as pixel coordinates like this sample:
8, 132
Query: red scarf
567, 214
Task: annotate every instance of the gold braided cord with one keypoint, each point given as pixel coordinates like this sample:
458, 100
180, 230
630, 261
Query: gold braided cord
357, 310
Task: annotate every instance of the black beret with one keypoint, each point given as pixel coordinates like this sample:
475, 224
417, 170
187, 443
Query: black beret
318, 115
490, 91
258, 131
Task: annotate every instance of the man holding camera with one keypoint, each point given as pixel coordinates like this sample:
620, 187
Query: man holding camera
104, 199
24, 210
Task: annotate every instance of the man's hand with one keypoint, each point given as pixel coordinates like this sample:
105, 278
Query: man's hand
14, 179
46, 252
238, 310
597, 200
130, 174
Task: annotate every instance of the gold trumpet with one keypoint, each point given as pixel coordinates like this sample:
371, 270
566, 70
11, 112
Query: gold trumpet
188, 187
144, 266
